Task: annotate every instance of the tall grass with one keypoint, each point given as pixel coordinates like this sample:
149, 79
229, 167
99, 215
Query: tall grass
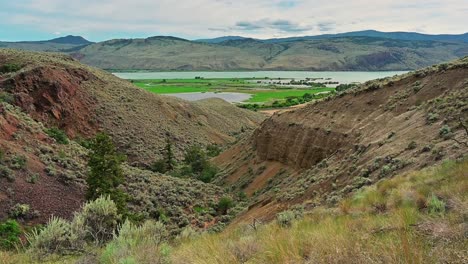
390, 222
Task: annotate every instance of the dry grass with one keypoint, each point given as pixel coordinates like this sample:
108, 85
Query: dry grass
382, 224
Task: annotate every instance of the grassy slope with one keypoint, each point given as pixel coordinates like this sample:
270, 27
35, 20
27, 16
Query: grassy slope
394, 221
389, 222
320, 152
139, 121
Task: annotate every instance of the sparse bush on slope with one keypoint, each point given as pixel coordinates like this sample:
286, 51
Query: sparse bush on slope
361, 230
94, 224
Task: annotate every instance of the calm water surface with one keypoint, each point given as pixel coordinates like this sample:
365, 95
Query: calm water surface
342, 77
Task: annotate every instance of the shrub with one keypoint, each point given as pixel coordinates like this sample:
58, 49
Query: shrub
159, 166
33, 178
224, 204
9, 67
435, 206
95, 223
213, 150
55, 238
19, 211
99, 219
285, 218
6, 173
58, 135
9, 234
412, 145
199, 165
18, 162
431, 118
6, 97
445, 132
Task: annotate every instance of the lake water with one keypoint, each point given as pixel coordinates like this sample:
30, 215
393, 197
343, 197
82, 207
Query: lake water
342, 77
229, 97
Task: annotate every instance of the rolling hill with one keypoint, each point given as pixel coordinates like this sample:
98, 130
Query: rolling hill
61, 44
49, 91
344, 53
320, 153
378, 170
413, 36
354, 51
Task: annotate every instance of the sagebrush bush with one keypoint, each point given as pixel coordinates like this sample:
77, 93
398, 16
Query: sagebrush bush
95, 223
7, 173
286, 218
138, 244
99, 218
19, 210
54, 238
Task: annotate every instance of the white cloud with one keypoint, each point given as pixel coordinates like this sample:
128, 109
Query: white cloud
260, 18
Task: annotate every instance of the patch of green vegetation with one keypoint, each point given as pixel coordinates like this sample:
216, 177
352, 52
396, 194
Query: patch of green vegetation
10, 67
57, 134
260, 93
9, 234
290, 101
268, 95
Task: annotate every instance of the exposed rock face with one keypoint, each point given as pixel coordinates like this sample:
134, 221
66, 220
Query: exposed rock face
53, 96
332, 147
298, 145
59, 91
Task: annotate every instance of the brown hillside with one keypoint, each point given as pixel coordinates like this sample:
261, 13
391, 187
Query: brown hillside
330, 148
61, 92
40, 177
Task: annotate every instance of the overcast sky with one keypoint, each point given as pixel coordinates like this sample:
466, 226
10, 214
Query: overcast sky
106, 19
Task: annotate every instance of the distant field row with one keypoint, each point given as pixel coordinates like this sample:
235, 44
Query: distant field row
261, 93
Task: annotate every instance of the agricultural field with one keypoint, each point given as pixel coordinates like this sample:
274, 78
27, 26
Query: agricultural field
261, 94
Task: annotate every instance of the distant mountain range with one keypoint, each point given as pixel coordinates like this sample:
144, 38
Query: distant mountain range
364, 33
352, 51
61, 44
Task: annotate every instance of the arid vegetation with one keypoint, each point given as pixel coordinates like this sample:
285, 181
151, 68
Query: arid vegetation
374, 173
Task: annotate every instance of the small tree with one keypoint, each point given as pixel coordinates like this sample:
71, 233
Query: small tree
167, 163
105, 174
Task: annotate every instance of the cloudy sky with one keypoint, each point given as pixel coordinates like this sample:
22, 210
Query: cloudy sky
106, 19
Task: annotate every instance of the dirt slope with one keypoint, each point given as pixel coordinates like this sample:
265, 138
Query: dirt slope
40, 177
59, 91
330, 148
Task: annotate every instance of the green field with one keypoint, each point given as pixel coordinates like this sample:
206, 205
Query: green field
265, 96
260, 93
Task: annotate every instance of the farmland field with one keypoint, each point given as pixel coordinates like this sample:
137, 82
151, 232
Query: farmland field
260, 93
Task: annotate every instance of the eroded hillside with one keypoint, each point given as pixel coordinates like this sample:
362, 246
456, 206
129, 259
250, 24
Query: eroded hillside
58, 91
321, 152
43, 170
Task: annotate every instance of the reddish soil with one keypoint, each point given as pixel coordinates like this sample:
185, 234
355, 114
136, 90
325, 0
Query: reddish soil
54, 96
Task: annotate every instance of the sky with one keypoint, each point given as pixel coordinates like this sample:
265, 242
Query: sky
99, 20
